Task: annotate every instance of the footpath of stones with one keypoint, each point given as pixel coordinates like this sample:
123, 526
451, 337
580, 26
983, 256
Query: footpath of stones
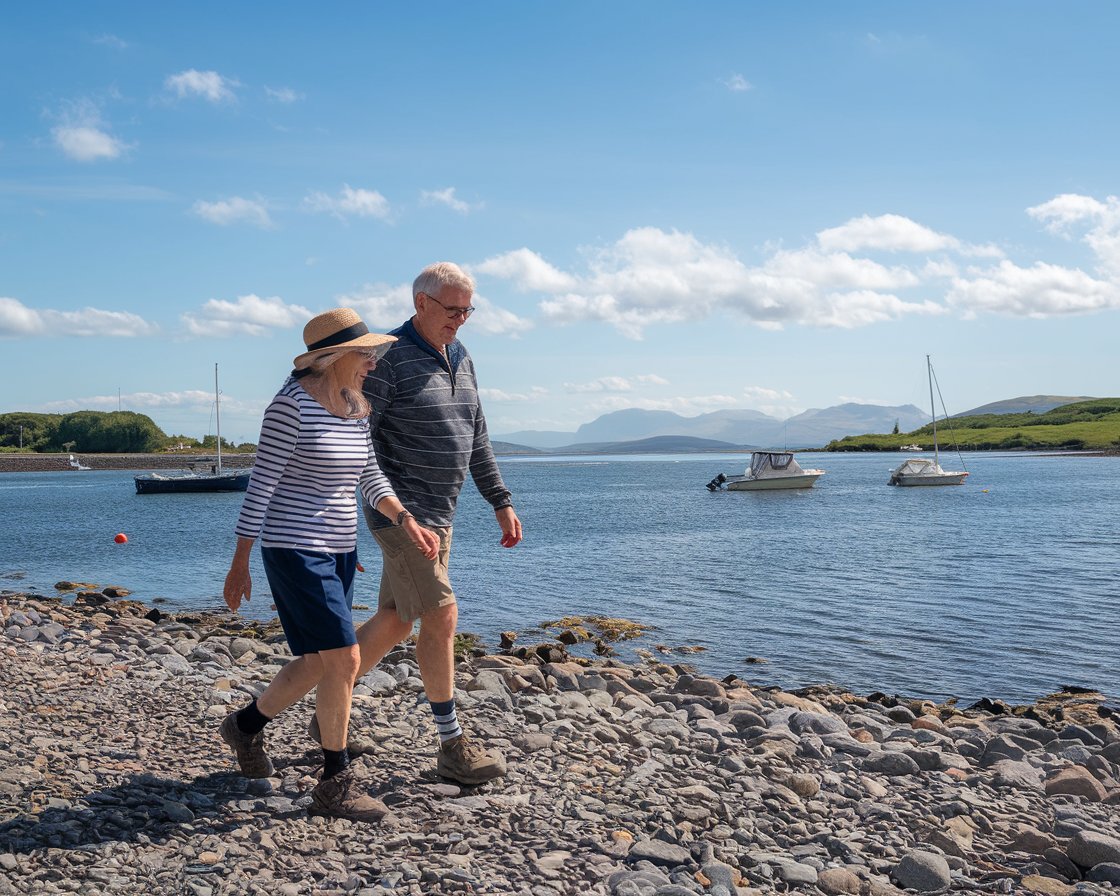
624, 780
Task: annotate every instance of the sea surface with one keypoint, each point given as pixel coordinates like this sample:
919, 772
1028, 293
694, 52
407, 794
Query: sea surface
1005, 587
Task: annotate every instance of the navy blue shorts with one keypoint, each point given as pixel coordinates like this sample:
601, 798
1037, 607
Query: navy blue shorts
313, 592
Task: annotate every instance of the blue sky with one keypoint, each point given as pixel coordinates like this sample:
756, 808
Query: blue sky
665, 205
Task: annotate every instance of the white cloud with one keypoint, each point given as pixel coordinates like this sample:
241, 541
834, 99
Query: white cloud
234, 210
360, 203
83, 136
652, 276
602, 384
763, 393
1041, 290
110, 40
87, 144
381, 307
283, 95
95, 322
737, 84
489, 318
1070, 208
210, 86
527, 270
135, 401
386, 307
685, 405
891, 233
16, 319
447, 197
249, 314
617, 383
1061, 213
535, 393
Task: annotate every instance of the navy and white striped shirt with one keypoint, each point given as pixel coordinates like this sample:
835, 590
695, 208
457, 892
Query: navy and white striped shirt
428, 429
301, 493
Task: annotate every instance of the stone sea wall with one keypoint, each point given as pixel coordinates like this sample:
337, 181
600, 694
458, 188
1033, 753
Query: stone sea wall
57, 463
642, 780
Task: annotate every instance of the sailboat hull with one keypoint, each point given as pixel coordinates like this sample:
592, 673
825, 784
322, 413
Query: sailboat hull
946, 477
157, 484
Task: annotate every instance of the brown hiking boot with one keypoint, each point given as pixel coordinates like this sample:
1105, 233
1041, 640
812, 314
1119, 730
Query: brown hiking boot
249, 748
344, 797
358, 746
462, 760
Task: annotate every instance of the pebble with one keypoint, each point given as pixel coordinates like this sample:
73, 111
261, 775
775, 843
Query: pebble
642, 780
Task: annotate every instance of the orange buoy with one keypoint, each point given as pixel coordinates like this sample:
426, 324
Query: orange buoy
120, 538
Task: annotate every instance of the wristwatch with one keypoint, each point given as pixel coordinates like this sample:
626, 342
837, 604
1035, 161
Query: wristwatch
402, 516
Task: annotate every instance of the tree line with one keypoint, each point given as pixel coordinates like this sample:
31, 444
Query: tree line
93, 432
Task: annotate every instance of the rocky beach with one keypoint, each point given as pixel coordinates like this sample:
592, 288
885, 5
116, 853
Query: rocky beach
624, 780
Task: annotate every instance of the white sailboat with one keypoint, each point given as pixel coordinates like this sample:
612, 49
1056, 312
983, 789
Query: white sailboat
922, 470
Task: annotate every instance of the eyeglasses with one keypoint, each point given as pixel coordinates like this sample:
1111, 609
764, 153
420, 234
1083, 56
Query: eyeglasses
452, 313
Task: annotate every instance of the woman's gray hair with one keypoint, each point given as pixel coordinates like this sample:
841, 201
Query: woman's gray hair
357, 405
436, 276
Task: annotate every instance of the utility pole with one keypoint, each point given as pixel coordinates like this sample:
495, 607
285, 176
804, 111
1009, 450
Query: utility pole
21, 437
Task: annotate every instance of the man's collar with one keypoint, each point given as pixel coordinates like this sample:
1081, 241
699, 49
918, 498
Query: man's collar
454, 348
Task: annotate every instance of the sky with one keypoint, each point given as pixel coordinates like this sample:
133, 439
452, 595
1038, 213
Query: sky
674, 206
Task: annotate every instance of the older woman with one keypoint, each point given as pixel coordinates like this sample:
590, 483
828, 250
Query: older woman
314, 449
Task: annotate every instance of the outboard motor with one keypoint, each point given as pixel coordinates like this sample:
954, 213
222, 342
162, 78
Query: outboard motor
717, 483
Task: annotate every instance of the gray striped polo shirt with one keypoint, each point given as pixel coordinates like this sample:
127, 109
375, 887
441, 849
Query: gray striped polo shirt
428, 429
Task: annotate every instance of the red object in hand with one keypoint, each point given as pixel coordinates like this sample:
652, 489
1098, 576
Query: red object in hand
120, 538
361, 568
508, 541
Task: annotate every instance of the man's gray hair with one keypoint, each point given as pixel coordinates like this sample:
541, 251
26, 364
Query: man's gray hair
436, 276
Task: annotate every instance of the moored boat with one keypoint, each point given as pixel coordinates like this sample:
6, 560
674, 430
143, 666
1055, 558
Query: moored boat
217, 480
922, 470
768, 470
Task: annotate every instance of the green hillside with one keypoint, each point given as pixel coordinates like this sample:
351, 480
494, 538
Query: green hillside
1084, 425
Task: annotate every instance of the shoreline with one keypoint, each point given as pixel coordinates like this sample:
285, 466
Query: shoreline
60, 463
623, 779
11, 462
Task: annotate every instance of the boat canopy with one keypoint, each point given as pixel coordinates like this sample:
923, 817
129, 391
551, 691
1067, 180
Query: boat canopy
918, 466
771, 464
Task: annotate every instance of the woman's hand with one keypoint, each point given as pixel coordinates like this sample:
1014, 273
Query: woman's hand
426, 541
238, 584
238, 581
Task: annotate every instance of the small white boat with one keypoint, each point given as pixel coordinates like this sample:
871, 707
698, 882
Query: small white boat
77, 464
922, 470
768, 470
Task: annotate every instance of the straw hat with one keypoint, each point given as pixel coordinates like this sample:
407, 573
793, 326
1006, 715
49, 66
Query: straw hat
335, 330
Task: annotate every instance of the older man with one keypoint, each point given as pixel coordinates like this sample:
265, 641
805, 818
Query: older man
429, 433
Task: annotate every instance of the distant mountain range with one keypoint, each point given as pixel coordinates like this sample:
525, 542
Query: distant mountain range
640, 431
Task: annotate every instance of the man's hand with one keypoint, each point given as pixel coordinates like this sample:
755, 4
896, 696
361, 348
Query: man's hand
426, 541
511, 526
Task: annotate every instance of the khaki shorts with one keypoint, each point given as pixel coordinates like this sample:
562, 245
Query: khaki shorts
410, 582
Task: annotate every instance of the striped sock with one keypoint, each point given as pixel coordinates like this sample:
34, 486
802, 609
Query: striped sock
447, 723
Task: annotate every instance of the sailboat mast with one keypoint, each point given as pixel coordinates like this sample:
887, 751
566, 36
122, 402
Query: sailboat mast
218, 415
932, 408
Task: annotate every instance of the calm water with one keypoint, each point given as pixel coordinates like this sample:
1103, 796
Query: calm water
1004, 587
